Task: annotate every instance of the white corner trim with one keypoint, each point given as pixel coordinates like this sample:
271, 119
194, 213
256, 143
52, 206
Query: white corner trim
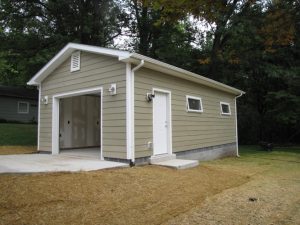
170, 138
188, 106
223, 113
129, 112
39, 116
55, 115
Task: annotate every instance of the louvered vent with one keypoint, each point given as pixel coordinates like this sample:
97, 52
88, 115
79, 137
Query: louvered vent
75, 61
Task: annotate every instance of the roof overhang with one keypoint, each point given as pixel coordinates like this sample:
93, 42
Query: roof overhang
180, 73
134, 58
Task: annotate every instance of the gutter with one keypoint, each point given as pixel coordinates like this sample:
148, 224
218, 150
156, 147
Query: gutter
236, 125
131, 111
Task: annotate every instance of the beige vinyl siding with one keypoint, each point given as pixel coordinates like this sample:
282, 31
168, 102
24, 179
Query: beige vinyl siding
95, 71
190, 130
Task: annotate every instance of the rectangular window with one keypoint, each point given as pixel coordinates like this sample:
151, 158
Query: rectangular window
194, 104
23, 107
75, 61
225, 108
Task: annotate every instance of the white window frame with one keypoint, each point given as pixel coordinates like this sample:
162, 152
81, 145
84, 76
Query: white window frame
75, 54
195, 98
25, 112
224, 113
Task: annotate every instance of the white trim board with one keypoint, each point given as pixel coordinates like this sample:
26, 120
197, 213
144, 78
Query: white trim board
55, 115
129, 102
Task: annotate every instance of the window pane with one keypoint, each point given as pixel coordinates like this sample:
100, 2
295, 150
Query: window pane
225, 108
194, 104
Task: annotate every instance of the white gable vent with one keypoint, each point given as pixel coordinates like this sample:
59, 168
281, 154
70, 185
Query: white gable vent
75, 61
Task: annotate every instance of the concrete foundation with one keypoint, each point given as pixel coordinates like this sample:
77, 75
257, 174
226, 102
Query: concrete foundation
209, 153
201, 154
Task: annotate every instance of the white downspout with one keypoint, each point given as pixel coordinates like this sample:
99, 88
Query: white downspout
132, 148
236, 126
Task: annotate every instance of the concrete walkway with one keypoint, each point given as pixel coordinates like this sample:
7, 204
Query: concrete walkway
178, 163
37, 163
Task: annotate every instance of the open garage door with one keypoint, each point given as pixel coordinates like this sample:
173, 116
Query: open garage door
79, 124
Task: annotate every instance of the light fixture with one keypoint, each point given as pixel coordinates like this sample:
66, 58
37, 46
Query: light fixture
45, 100
112, 89
149, 97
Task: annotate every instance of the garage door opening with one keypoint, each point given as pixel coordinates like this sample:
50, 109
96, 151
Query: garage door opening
79, 125
77, 120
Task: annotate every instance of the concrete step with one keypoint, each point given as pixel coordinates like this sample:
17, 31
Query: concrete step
178, 163
162, 158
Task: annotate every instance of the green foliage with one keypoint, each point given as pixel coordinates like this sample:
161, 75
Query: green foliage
33, 31
268, 70
253, 45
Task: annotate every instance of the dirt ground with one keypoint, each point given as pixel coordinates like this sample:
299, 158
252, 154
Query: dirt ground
215, 192
10, 150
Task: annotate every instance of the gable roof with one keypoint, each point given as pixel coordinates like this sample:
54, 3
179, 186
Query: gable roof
134, 58
18, 92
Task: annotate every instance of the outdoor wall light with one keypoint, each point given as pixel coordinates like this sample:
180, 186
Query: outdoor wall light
149, 97
45, 100
112, 89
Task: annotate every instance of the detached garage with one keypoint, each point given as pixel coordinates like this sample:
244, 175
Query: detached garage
123, 106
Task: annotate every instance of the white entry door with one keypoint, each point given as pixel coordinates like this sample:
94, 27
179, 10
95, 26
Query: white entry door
161, 123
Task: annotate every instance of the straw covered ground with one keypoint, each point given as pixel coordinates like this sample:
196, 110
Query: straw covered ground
11, 150
215, 192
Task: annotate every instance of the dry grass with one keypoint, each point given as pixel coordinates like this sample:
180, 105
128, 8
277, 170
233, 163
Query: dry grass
275, 183
214, 193
11, 150
140, 195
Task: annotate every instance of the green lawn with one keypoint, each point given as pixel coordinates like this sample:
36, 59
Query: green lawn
283, 154
18, 134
